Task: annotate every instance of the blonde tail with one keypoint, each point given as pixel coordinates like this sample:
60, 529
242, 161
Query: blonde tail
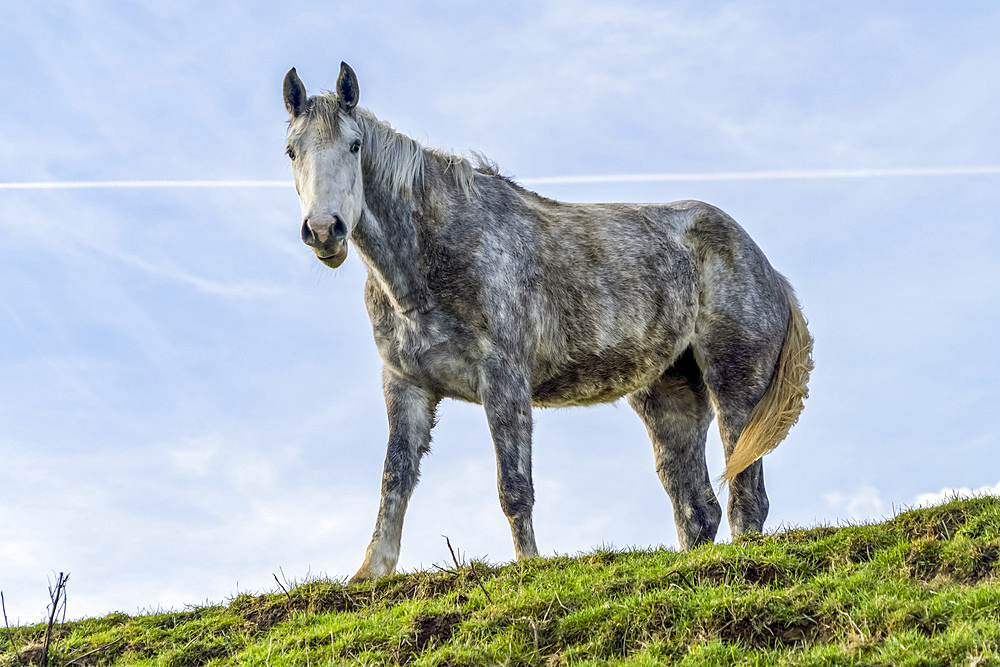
779, 409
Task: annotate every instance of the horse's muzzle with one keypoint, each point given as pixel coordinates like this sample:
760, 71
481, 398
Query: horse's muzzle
337, 258
327, 236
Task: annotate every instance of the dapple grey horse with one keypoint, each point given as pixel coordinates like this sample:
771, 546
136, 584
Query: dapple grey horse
483, 291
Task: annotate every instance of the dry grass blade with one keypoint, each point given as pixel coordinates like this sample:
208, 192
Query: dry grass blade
681, 576
103, 647
534, 627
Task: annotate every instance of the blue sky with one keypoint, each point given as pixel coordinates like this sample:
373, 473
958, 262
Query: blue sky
189, 402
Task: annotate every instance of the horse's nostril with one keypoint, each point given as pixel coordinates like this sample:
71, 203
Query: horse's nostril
339, 228
306, 231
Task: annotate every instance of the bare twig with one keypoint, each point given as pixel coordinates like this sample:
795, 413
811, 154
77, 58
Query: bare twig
475, 575
63, 621
10, 635
480, 582
54, 595
458, 566
103, 647
281, 587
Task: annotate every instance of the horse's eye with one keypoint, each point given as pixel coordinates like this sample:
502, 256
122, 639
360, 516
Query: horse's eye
291, 153
356, 146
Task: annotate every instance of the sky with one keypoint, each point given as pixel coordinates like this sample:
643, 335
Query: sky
190, 404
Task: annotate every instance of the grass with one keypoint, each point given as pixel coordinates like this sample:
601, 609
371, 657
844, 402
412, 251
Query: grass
920, 589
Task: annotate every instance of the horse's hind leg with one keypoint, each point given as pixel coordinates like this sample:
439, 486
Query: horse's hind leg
738, 367
677, 413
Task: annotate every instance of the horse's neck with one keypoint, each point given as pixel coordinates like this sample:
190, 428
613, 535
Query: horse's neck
387, 241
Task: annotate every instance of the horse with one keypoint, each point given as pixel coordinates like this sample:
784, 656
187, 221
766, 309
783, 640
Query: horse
483, 291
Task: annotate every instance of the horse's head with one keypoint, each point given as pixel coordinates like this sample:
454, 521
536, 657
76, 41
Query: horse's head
324, 143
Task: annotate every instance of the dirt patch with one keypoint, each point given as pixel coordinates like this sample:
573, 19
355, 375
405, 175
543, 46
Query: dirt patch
30, 655
434, 629
600, 558
933, 523
265, 619
923, 560
862, 548
171, 621
421, 586
926, 561
986, 561
741, 571
790, 536
761, 630
265, 612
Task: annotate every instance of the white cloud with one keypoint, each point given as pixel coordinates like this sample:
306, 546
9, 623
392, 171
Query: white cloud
866, 503
946, 494
193, 457
862, 505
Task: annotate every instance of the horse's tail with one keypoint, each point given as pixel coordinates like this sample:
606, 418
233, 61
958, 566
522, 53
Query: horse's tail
779, 408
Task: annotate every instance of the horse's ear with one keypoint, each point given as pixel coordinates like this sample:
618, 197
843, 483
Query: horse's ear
295, 93
347, 88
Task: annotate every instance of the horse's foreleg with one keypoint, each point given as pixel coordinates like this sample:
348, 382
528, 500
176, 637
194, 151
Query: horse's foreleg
411, 415
506, 396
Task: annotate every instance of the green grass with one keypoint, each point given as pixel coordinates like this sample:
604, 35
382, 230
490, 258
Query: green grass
920, 589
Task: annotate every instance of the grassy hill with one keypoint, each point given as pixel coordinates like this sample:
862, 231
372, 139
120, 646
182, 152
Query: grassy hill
920, 589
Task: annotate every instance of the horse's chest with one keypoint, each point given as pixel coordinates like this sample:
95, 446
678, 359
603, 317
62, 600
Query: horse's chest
430, 357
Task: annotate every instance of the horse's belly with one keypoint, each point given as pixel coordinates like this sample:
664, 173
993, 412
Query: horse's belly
623, 347
599, 378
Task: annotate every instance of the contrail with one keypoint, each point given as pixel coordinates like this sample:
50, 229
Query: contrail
800, 174
83, 185
764, 175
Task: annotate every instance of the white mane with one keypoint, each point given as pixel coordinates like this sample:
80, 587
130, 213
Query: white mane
393, 158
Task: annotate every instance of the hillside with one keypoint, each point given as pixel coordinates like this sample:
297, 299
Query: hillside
920, 589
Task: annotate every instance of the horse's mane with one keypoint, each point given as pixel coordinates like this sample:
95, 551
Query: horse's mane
395, 159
